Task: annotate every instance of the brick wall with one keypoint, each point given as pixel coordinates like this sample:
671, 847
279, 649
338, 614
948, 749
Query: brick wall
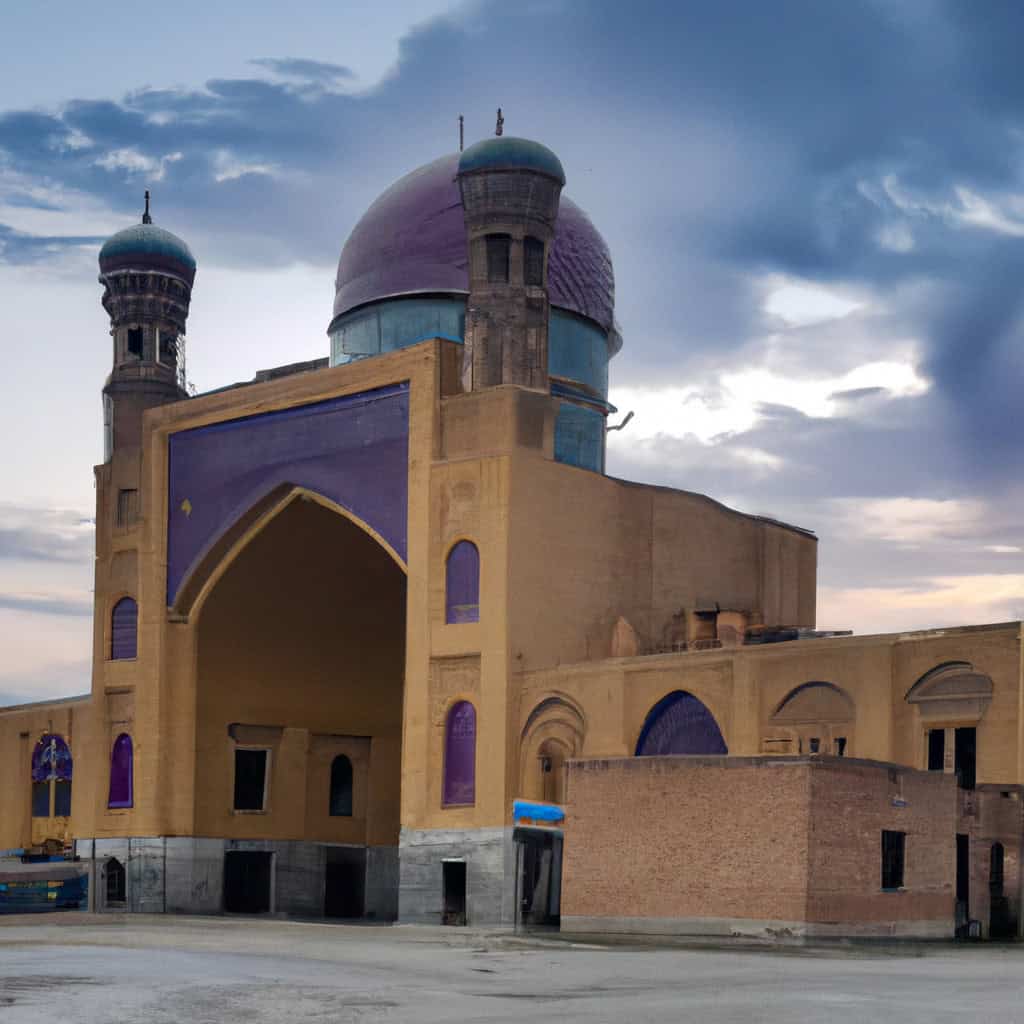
692, 844
668, 837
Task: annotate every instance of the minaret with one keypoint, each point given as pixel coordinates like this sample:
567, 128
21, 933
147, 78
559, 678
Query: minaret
510, 191
147, 275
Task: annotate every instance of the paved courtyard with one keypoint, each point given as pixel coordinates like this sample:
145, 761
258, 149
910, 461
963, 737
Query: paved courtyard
166, 969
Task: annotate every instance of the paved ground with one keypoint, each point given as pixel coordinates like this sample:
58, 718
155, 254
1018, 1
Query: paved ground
160, 970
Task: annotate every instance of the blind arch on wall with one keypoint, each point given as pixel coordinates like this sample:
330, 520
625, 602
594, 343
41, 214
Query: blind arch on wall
459, 788
680, 724
122, 773
124, 626
462, 583
341, 787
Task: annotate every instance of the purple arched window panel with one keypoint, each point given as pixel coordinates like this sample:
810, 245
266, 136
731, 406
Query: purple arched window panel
124, 627
460, 756
462, 583
680, 724
121, 772
51, 759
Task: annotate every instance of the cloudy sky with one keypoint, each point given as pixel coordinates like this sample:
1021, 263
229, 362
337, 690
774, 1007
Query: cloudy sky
816, 211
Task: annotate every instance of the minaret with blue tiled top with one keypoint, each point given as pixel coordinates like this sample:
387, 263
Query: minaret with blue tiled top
510, 191
147, 275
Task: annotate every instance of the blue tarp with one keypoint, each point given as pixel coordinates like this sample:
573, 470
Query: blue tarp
537, 812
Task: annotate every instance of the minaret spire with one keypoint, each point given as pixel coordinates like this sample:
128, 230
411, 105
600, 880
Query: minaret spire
146, 218
499, 126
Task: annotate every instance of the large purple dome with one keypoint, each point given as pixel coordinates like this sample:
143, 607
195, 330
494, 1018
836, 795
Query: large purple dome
413, 240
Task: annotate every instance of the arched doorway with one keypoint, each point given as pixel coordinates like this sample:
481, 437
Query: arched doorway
300, 659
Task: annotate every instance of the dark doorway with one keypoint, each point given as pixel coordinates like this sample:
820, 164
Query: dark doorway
965, 751
1000, 922
454, 884
936, 750
538, 877
345, 882
247, 882
963, 884
116, 884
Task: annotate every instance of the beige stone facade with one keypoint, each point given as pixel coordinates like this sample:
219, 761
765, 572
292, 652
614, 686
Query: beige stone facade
302, 630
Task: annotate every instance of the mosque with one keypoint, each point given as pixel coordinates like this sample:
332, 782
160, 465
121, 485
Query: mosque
376, 636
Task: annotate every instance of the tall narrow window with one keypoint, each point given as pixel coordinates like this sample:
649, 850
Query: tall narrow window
533, 261
459, 787
135, 342
936, 749
121, 772
893, 847
498, 247
341, 787
462, 583
250, 780
965, 755
124, 623
127, 506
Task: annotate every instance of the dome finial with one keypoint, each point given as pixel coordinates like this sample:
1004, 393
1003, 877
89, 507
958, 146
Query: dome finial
146, 219
500, 125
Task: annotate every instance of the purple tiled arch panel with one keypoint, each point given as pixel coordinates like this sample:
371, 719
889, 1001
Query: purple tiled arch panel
121, 773
680, 724
462, 583
124, 630
460, 755
352, 450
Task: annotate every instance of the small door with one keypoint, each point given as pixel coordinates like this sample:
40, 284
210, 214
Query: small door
454, 886
345, 882
247, 881
963, 884
539, 877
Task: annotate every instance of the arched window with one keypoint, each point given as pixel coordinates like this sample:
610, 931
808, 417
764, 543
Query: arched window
341, 787
116, 888
124, 624
680, 724
462, 583
121, 772
460, 756
51, 770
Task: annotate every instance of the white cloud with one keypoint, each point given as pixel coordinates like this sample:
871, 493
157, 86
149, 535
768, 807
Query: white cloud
911, 521
129, 159
229, 167
800, 303
936, 601
735, 406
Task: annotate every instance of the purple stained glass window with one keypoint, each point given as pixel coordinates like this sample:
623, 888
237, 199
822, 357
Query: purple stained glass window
121, 780
51, 759
462, 583
460, 756
680, 724
124, 627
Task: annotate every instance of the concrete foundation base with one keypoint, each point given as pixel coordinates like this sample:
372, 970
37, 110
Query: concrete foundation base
183, 875
746, 928
489, 856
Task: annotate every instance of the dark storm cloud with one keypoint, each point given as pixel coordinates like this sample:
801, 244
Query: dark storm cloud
310, 70
18, 247
848, 144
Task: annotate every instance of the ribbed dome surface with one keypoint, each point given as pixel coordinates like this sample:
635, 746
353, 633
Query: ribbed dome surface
413, 240
147, 245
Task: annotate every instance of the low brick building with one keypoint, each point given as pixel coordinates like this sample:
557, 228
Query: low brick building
767, 847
